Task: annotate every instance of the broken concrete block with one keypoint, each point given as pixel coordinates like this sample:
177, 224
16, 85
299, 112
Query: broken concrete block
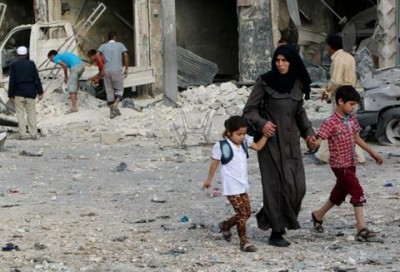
3, 136
212, 88
203, 98
227, 87
109, 138
233, 110
215, 105
221, 111
78, 127
243, 91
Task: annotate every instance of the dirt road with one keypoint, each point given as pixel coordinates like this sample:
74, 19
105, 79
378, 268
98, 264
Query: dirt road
70, 210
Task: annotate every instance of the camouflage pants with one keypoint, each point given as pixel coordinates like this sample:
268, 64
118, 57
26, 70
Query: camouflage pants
241, 205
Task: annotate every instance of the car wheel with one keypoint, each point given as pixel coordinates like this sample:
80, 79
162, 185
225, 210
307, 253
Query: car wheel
388, 128
366, 132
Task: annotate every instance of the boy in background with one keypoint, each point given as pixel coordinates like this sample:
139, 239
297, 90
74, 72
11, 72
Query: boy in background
98, 59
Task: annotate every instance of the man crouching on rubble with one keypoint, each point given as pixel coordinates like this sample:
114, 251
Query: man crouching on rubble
23, 87
70, 61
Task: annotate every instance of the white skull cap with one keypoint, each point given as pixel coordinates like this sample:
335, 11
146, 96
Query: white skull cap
22, 50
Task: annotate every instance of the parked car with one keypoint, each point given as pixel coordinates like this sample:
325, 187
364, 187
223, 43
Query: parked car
379, 111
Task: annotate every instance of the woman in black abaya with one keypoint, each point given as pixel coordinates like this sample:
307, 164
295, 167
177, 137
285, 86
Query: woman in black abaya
284, 119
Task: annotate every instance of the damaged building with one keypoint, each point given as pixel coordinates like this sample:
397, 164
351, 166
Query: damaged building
215, 40
176, 44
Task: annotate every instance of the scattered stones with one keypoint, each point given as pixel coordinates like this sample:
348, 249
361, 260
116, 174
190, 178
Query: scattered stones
39, 246
155, 199
141, 221
10, 247
155, 217
31, 153
121, 167
120, 239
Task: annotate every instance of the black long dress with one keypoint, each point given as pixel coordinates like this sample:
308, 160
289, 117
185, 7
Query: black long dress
280, 162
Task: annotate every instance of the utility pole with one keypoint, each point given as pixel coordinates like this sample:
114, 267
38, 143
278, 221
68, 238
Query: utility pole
170, 74
388, 43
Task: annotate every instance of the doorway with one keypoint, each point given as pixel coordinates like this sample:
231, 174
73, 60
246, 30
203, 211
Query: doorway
209, 29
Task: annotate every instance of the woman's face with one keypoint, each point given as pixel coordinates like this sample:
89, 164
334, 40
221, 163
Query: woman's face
282, 65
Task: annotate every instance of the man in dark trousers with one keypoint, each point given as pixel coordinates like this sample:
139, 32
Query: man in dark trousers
23, 88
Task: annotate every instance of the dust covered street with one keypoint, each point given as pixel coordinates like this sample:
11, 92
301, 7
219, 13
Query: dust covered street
94, 194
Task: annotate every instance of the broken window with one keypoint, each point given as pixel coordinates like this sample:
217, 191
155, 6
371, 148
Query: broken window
56, 32
8, 53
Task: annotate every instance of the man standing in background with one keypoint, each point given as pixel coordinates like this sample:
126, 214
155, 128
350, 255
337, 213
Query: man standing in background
23, 88
115, 55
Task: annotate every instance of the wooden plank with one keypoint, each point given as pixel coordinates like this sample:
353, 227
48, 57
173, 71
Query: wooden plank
194, 70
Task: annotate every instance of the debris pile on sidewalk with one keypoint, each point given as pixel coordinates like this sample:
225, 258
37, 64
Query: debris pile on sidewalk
201, 111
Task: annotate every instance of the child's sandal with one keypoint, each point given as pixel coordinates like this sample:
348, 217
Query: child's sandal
317, 224
248, 248
364, 235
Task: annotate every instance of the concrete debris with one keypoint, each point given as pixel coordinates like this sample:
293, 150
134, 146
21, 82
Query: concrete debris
31, 153
3, 137
109, 138
121, 167
203, 111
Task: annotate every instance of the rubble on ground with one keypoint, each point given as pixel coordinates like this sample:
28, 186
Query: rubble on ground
201, 113
134, 200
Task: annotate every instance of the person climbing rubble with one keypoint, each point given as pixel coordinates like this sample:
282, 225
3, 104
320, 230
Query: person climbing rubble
70, 61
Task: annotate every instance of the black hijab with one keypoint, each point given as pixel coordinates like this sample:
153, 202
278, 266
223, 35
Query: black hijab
283, 83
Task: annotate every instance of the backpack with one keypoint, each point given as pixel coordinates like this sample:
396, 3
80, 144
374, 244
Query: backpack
227, 152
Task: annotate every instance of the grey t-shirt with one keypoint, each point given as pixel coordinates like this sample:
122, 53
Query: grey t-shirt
112, 52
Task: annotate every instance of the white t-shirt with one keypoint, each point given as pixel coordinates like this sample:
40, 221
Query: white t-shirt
234, 174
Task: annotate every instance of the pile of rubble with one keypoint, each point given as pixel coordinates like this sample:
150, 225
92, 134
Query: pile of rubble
201, 112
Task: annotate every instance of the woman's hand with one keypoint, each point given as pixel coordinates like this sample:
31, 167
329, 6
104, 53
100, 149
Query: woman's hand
269, 129
311, 141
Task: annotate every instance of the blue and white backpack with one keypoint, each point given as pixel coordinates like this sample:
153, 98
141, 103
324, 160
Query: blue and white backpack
227, 152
